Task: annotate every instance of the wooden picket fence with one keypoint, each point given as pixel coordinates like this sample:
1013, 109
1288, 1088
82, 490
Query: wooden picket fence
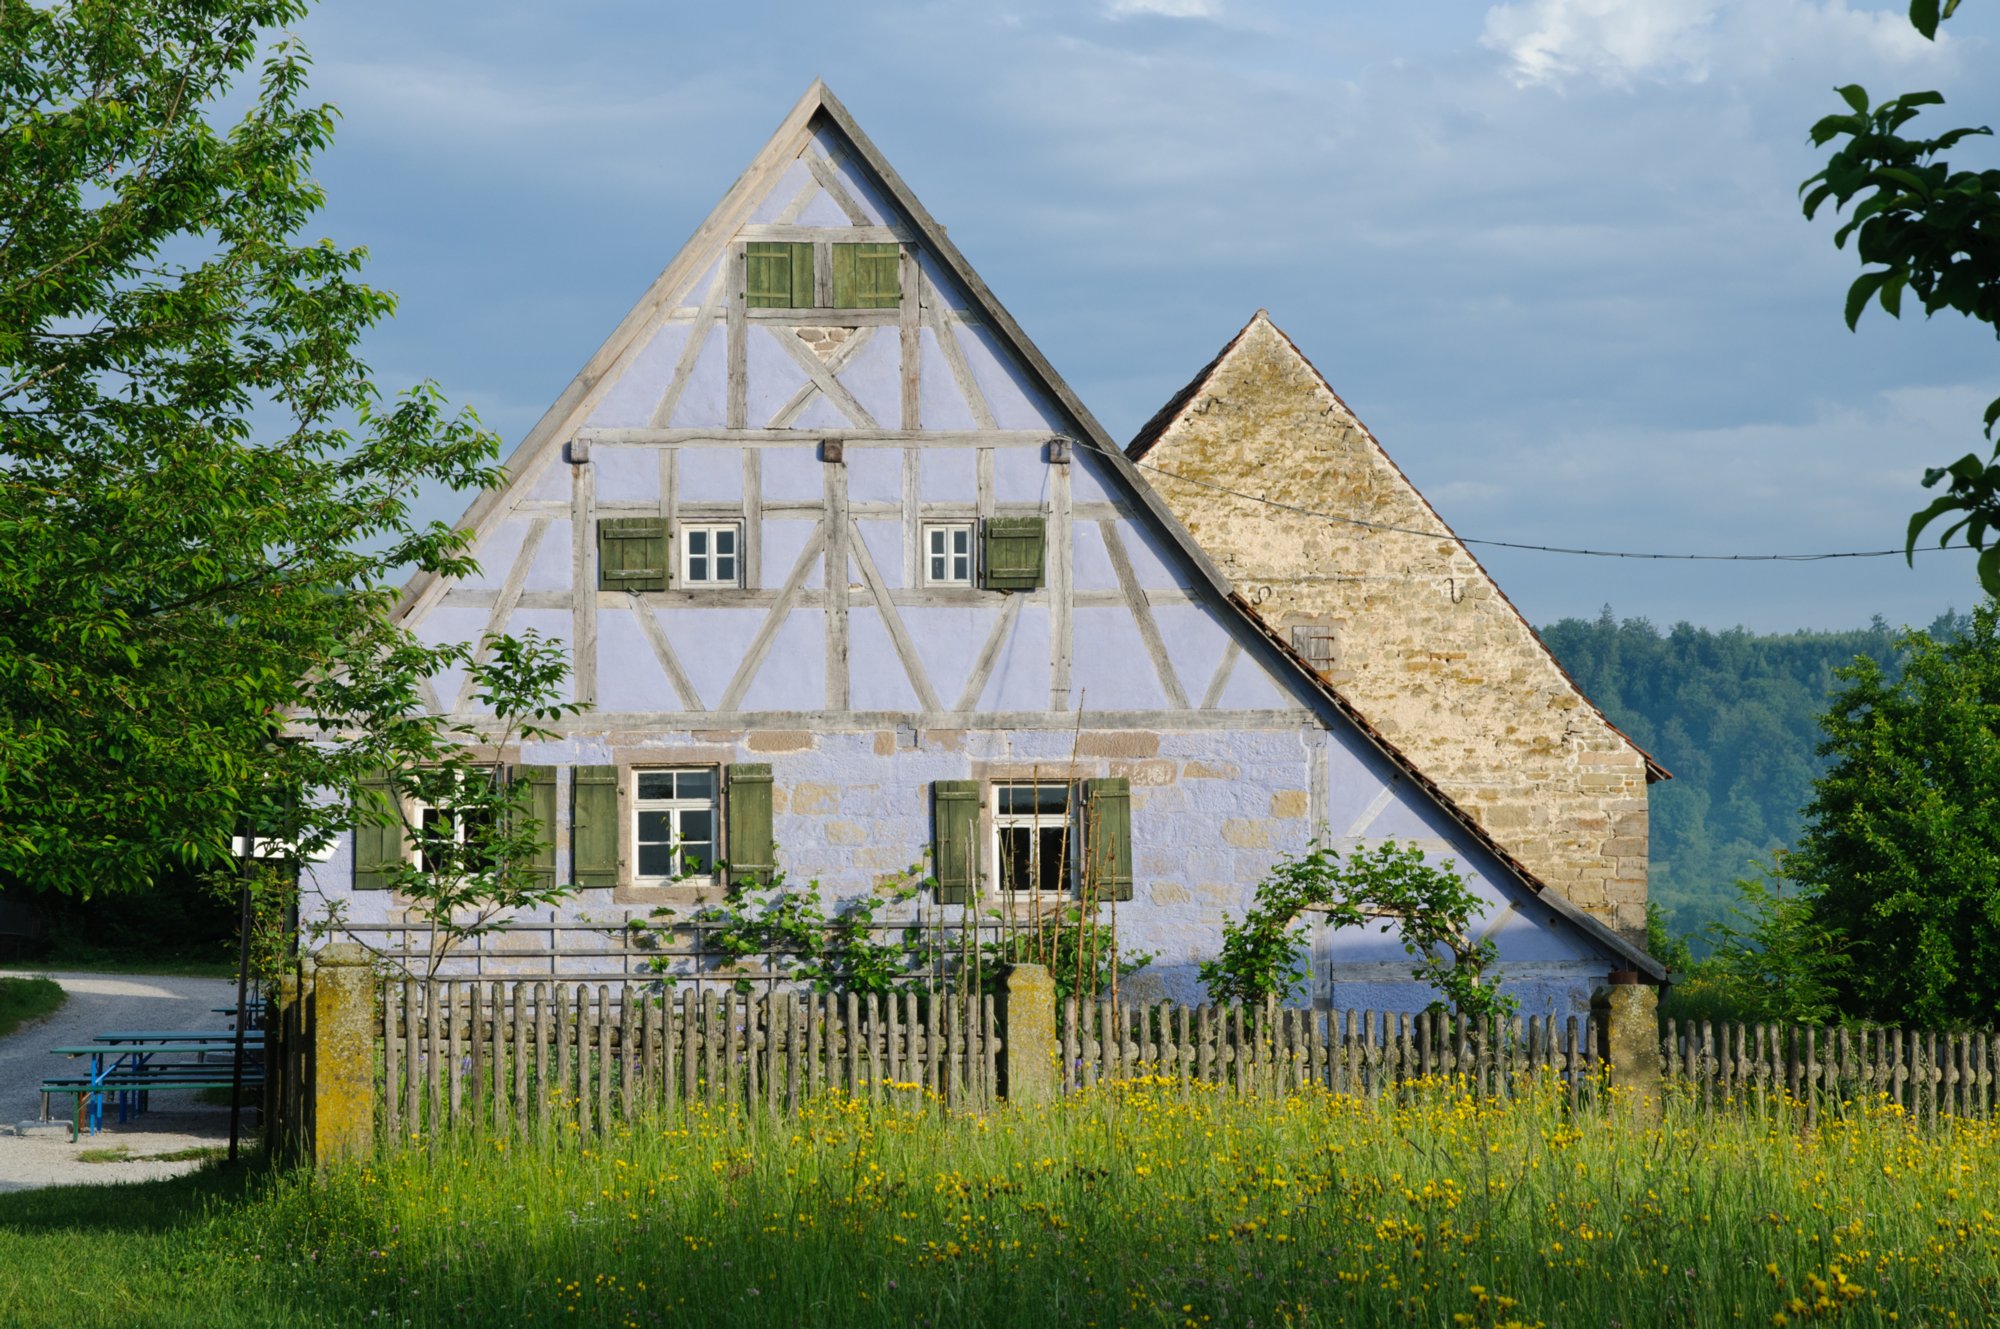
1280, 1049
528, 1057
1929, 1075
520, 1056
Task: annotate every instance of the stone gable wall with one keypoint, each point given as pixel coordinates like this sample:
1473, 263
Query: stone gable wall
1421, 641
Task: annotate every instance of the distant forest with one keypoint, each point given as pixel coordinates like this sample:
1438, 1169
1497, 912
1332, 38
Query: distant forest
1734, 716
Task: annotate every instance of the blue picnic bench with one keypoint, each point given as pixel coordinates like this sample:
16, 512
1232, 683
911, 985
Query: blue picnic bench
134, 1064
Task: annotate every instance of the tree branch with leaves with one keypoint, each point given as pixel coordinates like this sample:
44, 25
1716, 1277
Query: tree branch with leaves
1922, 226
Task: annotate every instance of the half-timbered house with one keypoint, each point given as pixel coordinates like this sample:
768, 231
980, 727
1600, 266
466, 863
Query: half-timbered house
851, 581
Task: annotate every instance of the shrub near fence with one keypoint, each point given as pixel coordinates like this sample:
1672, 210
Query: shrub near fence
1928, 1075
531, 1056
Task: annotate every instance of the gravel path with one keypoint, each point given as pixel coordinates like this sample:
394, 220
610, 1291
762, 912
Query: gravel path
96, 1003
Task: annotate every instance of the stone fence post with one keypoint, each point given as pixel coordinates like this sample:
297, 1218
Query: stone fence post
341, 1055
1626, 1015
1028, 1053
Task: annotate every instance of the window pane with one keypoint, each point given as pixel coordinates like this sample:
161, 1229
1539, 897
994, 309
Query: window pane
656, 784
937, 567
725, 540
961, 541
698, 855
1017, 851
937, 535
961, 568
697, 539
1052, 866
694, 784
1033, 798
655, 827
725, 568
656, 860
698, 824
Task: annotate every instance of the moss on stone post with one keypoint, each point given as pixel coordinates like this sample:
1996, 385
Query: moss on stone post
1627, 1019
1028, 1035
343, 1055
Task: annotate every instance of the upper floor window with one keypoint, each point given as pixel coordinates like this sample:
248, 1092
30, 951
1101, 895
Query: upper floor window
948, 553
711, 554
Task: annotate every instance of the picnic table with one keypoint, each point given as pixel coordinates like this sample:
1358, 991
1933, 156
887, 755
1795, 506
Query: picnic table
215, 1036
132, 1068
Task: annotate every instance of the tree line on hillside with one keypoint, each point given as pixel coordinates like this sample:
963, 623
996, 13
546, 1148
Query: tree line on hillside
1735, 715
1879, 903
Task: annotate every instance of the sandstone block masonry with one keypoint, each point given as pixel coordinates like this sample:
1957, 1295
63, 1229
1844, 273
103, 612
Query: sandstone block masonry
1409, 628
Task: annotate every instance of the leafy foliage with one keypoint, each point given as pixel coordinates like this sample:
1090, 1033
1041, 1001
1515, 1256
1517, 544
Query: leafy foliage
1901, 855
794, 937
1934, 231
478, 850
1430, 907
202, 492
1773, 960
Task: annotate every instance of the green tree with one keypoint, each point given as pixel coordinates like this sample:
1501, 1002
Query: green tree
1901, 853
1933, 231
203, 496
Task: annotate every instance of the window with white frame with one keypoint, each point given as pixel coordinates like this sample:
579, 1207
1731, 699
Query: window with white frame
711, 553
1034, 837
448, 839
673, 823
948, 553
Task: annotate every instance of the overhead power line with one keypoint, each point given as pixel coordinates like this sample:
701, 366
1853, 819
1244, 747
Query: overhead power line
1522, 545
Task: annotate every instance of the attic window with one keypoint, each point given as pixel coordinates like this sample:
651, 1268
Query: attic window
779, 275
1319, 644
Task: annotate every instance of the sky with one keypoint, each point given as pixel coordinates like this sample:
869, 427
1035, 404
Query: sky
1549, 251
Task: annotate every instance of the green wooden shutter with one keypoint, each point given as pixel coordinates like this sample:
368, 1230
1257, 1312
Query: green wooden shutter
1107, 837
751, 850
955, 851
867, 276
541, 806
593, 826
1011, 553
632, 554
777, 275
378, 833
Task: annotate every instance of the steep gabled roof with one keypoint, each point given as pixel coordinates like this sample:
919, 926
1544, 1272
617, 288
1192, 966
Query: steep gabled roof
819, 104
1178, 405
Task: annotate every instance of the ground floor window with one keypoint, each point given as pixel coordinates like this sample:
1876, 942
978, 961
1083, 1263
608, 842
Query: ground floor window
1034, 837
450, 840
673, 823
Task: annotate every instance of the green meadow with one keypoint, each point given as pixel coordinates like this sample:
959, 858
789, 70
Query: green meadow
1138, 1204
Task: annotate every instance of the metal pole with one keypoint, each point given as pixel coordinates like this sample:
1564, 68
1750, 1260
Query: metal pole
242, 986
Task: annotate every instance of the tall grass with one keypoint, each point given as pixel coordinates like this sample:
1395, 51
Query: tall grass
1130, 1205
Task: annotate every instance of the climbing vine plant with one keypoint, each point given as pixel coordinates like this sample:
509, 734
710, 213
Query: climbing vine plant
1430, 906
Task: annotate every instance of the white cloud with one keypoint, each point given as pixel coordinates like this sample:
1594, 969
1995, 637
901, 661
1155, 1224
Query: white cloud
1549, 41
1164, 8
1618, 42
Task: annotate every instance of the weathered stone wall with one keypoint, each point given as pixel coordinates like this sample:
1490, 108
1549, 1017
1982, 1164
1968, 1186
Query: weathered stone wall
1422, 641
